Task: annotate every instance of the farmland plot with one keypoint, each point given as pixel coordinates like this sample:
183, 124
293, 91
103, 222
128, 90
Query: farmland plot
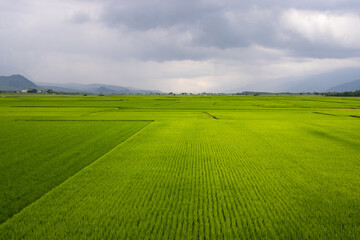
201, 178
36, 156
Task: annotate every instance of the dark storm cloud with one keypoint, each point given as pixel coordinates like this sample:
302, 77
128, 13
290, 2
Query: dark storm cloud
207, 22
224, 24
143, 15
177, 44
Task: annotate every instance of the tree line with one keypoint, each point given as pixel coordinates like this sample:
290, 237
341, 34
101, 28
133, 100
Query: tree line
343, 94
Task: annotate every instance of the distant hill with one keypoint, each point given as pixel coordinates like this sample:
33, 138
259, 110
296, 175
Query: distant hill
19, 82
313, 83
323, 82
97, 88
103, 90
349, 86
57, 89
16, 83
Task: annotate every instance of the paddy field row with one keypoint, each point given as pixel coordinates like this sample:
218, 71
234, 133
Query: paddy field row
249, 173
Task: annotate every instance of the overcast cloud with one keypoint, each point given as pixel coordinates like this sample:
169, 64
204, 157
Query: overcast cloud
177, 45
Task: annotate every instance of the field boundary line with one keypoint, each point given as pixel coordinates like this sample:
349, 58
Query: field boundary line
80, 120
210, 115
52, 189
329, 114
58, 106
89, 113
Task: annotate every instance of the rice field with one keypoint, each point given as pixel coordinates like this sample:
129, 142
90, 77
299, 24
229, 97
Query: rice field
204, 167
36, 156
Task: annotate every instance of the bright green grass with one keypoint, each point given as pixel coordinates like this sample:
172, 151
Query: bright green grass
165, 103
210, 179
270, 167
36, 156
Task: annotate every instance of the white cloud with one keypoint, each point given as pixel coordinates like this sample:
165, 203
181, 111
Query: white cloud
333, 28
222, 45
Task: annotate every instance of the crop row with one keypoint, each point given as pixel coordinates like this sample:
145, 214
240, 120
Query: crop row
36, 156
207, 179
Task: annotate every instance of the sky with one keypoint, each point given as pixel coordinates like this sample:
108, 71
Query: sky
177, 45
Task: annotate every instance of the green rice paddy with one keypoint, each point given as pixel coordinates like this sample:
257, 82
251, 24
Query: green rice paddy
179, 167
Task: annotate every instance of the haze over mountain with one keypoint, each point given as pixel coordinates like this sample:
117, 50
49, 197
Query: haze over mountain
15, 83
349, 86
322, 82
19, 82
315, 83
337, 81
96, 88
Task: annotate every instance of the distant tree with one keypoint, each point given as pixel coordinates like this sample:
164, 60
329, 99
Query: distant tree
343, 94
31, 90
49, 91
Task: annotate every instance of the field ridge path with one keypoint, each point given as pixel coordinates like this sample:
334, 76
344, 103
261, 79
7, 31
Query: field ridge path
210, 115
112, 149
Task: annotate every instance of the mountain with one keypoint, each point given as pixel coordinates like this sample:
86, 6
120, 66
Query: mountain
16, 83
103, 90
97, 88
19, 82
312, 83
86, 87
57, 89
323, 82
349, 86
